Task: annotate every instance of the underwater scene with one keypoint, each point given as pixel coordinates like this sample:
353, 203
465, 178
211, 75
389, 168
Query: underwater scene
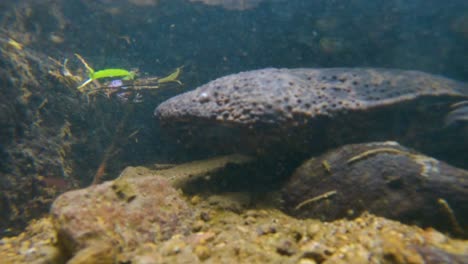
233, 131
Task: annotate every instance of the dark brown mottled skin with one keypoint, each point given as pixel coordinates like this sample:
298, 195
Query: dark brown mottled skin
313, 109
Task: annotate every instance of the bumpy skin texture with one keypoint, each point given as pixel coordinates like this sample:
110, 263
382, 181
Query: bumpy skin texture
272, 105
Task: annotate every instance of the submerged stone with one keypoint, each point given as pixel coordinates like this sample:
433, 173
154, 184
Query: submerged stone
93, 223
315, 109
385, 179
262, 236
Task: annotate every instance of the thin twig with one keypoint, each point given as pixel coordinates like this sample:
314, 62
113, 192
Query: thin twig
315, 199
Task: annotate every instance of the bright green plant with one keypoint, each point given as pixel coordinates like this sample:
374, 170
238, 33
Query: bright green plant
106, 73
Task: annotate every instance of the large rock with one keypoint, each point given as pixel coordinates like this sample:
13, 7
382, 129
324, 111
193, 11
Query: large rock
385, 179
93, 223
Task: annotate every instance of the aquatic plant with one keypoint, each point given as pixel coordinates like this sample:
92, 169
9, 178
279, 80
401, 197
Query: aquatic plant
106, 73
126, 84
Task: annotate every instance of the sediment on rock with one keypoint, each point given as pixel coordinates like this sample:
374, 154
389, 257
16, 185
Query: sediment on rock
383, 178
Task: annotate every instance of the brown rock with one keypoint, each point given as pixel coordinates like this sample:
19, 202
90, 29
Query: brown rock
128, 211
385, 179
37, 244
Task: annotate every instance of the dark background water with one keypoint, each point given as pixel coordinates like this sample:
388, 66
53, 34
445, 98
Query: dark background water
426, 35
209, 41
419, 34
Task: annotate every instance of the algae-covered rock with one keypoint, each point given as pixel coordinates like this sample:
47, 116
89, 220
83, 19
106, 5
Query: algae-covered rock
245, 236
269, 236
94, 223
37, 244
385, 179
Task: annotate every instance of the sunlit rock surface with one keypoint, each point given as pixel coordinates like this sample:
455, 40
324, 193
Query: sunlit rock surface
126, 212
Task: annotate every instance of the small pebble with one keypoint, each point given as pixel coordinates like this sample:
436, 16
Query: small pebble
250, 220
203, 237
203, 252
286, 247
306, 261
316, 251
313, 229
266, 229
174, 247
198, 225
205, 216
195, 199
